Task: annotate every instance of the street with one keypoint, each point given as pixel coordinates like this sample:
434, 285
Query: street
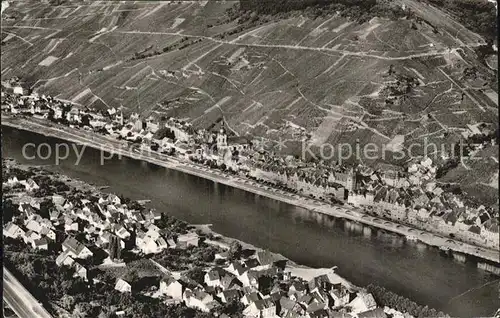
19, 299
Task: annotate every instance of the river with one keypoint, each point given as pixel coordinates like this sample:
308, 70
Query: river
363, 255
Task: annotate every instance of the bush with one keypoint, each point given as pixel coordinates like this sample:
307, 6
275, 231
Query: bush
476, 15
196, 274
235, 250
384, 297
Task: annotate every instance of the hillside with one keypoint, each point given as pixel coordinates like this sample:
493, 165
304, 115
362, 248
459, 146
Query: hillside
390, 80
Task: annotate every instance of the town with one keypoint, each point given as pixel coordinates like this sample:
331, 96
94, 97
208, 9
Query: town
101, 247
406, 195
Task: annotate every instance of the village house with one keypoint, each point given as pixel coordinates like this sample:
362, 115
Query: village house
229, 281
73, 115
70, 223
30, 237
290, 308
227, 296
114, 199
179, 129
373, 313
58, 112
199, 299
64, 259
222, 256
171, 243
263, 308
12, 181
250, 295
48, 233
122, 232
172, 287
250, 278
213, 277
150, 245
13, 231
27, 210
14, 109
189, 239
122, 286
18, 90
236, 268
152, 125
362, 303
30, 185
80, 271
340, 295
54, 215
346, 179
361, 199
266, 258
58, 199
75, 249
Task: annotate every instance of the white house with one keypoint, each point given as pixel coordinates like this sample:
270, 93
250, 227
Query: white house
30, 185
172, 288
80, 271
190, 238
363, 302
264, 308
41, 244
236, 268
122, 286
147, 245
64, 259
12, 181
76, 249
12, 230
199, 300
122, 233
214, 276
30, 237
18, 90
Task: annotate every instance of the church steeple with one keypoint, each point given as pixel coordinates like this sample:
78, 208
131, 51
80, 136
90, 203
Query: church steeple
222, 137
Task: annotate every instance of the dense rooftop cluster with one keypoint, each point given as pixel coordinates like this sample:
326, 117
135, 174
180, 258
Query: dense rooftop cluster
90, 231
410, 195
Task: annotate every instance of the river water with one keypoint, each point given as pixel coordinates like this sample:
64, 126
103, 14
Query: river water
363, 255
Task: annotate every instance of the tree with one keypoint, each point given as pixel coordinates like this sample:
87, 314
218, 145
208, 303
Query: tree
265, 284
82, 310
131, 277
233, 308
27, 269
235, 250
208, 254
67, 302
196, 274
8, 209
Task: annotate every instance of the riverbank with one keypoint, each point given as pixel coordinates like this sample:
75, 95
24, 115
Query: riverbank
118, 148
304, 272
224, 242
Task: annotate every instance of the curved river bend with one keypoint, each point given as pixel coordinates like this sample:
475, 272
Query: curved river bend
363, 255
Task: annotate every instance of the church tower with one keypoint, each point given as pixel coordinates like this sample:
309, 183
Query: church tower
350, 180
222, 138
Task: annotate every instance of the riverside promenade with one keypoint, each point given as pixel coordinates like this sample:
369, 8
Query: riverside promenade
120, 148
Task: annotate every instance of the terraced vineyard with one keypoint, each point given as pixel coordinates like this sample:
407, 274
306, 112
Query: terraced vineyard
329, 79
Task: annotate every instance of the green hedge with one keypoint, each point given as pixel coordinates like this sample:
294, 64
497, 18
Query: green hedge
384, 297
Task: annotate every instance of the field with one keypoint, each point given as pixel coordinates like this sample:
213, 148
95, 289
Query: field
326, 79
